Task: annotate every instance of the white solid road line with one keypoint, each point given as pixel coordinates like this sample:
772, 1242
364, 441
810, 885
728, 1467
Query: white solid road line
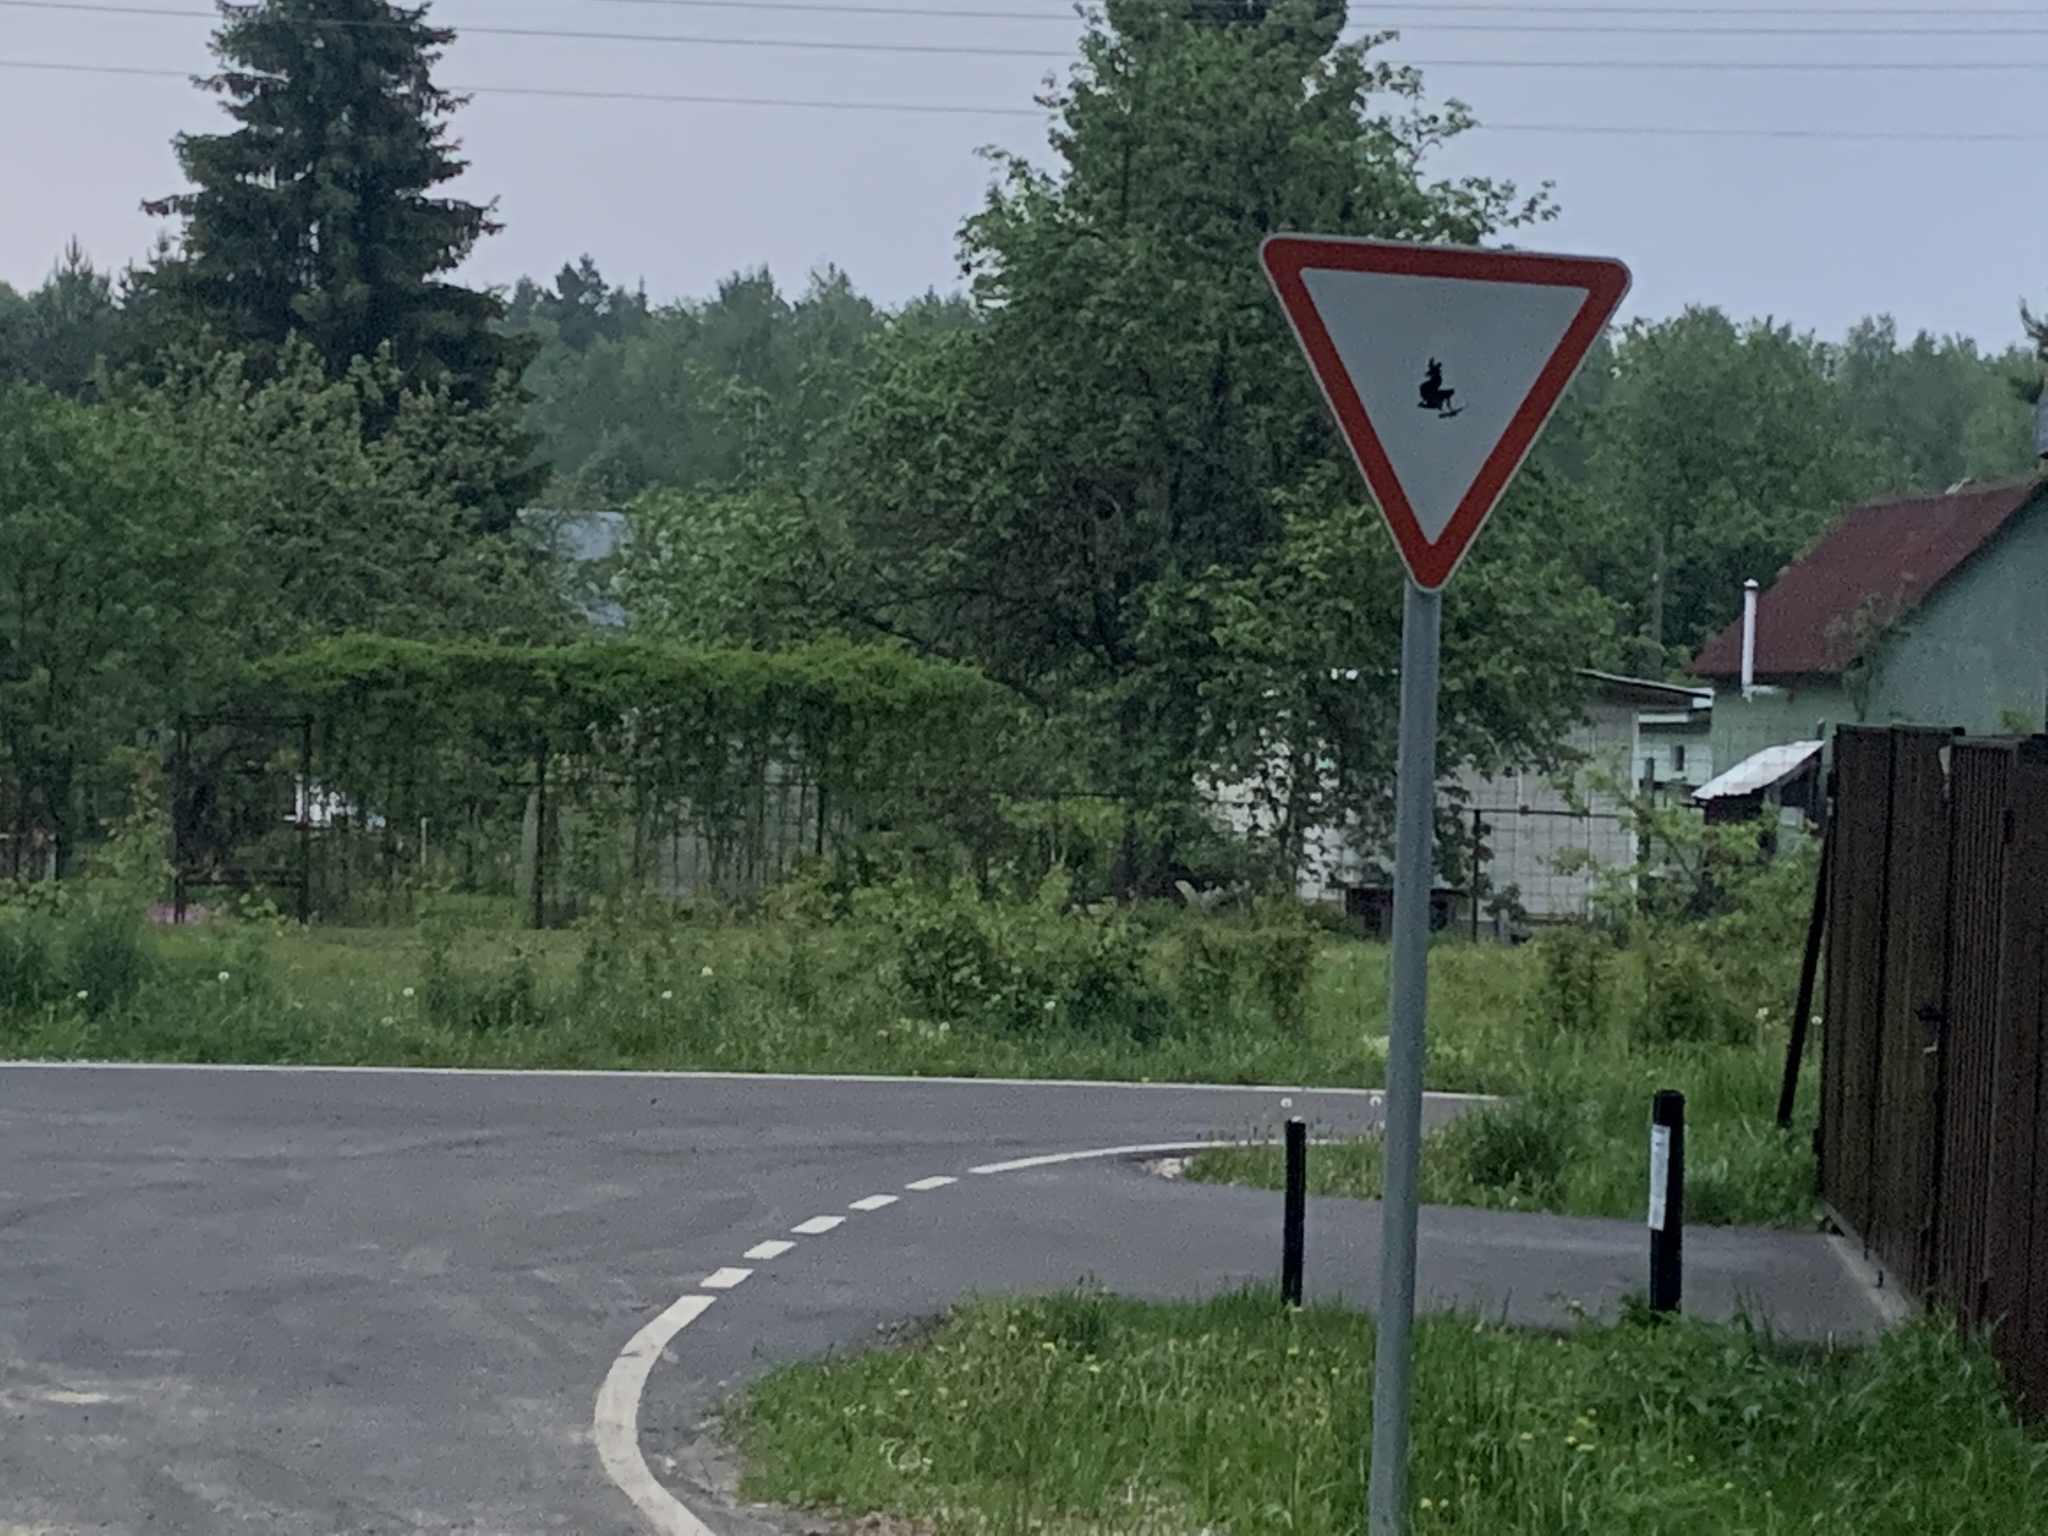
872, 1203
618, 1422
618, 1404
1152, 1149
724, 1279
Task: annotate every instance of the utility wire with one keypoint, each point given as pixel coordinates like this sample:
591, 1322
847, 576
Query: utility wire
565, 93
954, 50
583, 34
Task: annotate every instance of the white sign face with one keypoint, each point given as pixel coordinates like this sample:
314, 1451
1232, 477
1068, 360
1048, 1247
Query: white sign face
1442, 366
1660, 1174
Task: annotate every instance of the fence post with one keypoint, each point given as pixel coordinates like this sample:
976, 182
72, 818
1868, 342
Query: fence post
1667, 1199
1809, 972
1294, 1220
539, 915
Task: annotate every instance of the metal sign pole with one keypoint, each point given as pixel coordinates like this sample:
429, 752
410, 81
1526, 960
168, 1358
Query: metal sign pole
1414, 866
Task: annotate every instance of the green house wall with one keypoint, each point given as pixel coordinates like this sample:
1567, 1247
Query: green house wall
1975, 654
1804, 711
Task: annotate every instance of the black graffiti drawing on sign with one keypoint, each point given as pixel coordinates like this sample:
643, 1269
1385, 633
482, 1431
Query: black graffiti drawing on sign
1434, 396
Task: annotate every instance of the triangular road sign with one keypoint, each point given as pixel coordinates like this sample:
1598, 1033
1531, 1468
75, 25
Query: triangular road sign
1441, 363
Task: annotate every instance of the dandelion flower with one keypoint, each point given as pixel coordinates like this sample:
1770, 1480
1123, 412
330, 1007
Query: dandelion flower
407, 992
83, 995
668, 996
705, 972
223, 975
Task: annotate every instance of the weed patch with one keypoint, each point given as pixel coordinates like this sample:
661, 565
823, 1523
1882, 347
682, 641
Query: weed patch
1093, 1413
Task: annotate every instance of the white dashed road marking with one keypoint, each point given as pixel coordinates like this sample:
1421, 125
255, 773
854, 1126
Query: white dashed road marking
816, 1225
938, 1183
773, 1249
724, 1279
872, 1203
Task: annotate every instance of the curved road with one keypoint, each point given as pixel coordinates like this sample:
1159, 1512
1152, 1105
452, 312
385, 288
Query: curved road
376, 1302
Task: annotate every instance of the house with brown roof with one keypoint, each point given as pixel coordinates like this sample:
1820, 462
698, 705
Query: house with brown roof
1926, 611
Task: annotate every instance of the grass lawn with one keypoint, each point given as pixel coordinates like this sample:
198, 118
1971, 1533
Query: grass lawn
792, 996
1092, 1413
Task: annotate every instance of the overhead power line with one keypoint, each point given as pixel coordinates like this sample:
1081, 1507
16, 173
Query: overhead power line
1691, 30
791, 103
1065, 14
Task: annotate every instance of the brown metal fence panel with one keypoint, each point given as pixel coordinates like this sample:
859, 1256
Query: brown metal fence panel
1900, 1233
1855, 971
1980, 790
2016, 1302
1934, 1074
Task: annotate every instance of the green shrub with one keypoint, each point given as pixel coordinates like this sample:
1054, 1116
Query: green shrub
486, 996
1019, 966
1224, 968
31, 970
1685, 1000
107, 960
1577, 979
1523, 1147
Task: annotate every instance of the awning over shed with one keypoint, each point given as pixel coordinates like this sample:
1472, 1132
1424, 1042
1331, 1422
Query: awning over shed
1760, 773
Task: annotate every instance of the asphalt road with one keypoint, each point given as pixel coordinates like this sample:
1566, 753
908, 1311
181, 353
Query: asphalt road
321, 1302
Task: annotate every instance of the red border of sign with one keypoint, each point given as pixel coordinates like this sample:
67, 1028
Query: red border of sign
1605, 281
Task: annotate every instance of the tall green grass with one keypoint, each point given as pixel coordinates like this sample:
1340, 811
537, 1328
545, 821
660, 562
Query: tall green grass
1088, 1413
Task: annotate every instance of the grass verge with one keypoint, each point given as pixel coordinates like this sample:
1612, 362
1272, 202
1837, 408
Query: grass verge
920, 985
1093, 1413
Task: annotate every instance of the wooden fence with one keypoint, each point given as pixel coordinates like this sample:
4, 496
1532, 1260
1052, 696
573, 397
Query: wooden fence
1933, 1133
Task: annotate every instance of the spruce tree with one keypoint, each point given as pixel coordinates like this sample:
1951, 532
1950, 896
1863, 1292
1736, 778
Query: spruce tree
320, 212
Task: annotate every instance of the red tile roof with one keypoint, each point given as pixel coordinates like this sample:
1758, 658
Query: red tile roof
1876, 564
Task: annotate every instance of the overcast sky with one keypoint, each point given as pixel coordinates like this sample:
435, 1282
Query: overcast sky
1908, 185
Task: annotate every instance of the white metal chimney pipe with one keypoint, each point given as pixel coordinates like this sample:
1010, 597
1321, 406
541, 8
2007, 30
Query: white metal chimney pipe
1749, 591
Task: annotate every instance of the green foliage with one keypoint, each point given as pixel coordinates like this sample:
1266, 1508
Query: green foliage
31, 969
1938, 411
1131, 507
363, 502
323, 213
1719, 453
1521, 1149
733, 395
1685, 998
760, 568
107, 962
1226, 967
114, 613
1578, 964
1022, 966
1093, 1412
59, 335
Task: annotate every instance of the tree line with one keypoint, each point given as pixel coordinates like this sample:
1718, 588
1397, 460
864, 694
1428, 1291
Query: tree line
1098, 473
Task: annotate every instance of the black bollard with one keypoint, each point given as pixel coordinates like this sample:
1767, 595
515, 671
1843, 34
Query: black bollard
1667, 1200
1295, 1218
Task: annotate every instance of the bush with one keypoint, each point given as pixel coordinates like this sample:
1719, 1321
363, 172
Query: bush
482, 997
1685, 1000
1225, 968
107, 960
1016, 965
31, 970
1521, 1148
1576, 984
